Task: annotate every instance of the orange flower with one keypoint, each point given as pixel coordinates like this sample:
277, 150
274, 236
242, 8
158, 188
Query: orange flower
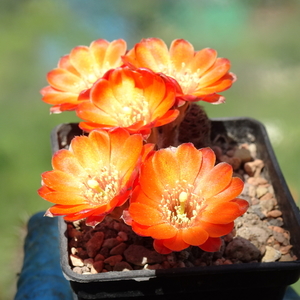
94, 176
183, 199
137, 100
78, 70
200, 74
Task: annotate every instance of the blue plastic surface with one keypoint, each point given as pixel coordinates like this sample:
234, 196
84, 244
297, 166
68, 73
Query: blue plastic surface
41, 277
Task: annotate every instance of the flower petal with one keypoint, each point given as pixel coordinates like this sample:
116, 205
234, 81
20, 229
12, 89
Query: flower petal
222, 84
160, 248
208, 161
145, 214
65, 63
176, 243
194, 235
162, 231
64, 80
98, 50
149, 182
192, 159
203, 60
216, 230
88, 158
216, 180
217, 71
61, 181
88, 111
83, 61
230, 192
64, 160
211, 245
166, 167
222, 213
181, 52
151, 53
62, 210
66, 198
53, 96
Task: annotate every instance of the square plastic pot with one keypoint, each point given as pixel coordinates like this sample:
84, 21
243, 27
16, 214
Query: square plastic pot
237, 281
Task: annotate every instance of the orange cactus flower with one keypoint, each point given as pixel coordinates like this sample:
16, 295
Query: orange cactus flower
94, 176
183, 199
77, 71
200, 74
137, 100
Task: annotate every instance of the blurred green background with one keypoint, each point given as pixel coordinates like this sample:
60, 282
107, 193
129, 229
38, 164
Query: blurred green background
261, 38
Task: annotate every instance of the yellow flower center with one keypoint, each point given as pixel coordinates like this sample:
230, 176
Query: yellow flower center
103, 187
133, 110
180, 206
187, 79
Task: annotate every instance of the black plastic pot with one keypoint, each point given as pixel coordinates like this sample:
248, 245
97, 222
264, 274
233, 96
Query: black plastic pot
237, 281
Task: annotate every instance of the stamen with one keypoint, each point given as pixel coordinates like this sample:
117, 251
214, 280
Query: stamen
180, 206
187, 79
182, 199
103, 187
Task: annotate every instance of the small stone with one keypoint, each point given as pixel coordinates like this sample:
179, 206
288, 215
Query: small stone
275, 222
241, 249
271, 254
254, 168
74, 250
279, 236
285, 249
116, 226
94, 244
189, 264
112, 260
180, 264
235, 163
123, 235
224, 158
88, 262
243, 154
268, 196
274, 213
286, 257
183, 255
251, 191
171, 258
99, 257
227, 262
122, 266
97, 267
261, 191
110, 243
256, 234
257, 210
119, 249
218, 262
152, 267
82, 253
218, 151
76, 261
85, 269
165, 265
230, 153
257, 180
277, 229
266, 205
139, 255
254, 201
77, 270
